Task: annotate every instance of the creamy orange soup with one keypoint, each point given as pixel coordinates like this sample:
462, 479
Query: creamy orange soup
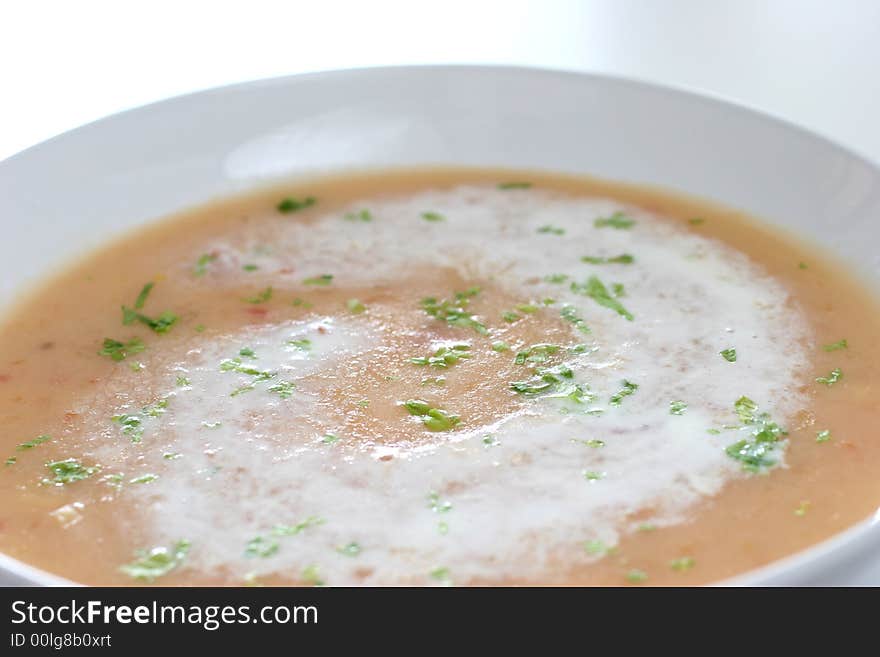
438, 377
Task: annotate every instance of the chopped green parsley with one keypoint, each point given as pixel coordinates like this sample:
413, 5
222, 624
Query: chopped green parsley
823, 436
132, 423
514, 185
596, 290
682, 564
622, 259
323, 279
552, 230
355, 306
144, 479
68, 471
636, 576
618, 220
434, 419
832, 378
835, 346
30, 444
118, 351
444, 356
537, 353
351, 550
157, 562
570, 314
757, 451
729, 355
628, 389
261, 297
677, 407
202, 263
454, 311
432, 216
290, 204
556, 278
500, 345
364, 216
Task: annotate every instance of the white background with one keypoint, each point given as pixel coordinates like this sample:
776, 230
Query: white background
65, 63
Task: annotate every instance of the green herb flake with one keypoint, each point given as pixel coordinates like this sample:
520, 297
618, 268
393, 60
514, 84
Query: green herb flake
160, 324
636, 576
802, 265
433, 216
729, 355
537, 353
351, 550
202, 263
617, 221
836, 346
802, 509
596, 548
247, 352
682, 564
30, 444
823, 436
596, 290
647, 527
261, 297
118, 351
555, 278
157, 562
355, 306
757, 451
182, 382
551, 230
142, 297
144, 479
261, 547
444, 356
696, 221
68, 471
283, 389
11, 461
622, 259
303, 344
434, 419
514, 185
677, 407
454, 311
291, 204
364, 216
250, 267
628, 389
509, 316
442, 575
500, 345
312, 576
330, 438
591, 475
298, 528
323, 279
132, 423
570, 314
832, 378
618, 289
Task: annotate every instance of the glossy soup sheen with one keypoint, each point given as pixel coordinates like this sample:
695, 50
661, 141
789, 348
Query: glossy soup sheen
53, 382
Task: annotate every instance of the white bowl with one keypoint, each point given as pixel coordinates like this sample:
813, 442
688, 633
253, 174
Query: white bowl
73, 192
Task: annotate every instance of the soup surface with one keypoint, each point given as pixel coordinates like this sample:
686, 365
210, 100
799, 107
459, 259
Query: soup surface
438, 377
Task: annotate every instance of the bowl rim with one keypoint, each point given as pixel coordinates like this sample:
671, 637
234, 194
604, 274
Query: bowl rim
801, 567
